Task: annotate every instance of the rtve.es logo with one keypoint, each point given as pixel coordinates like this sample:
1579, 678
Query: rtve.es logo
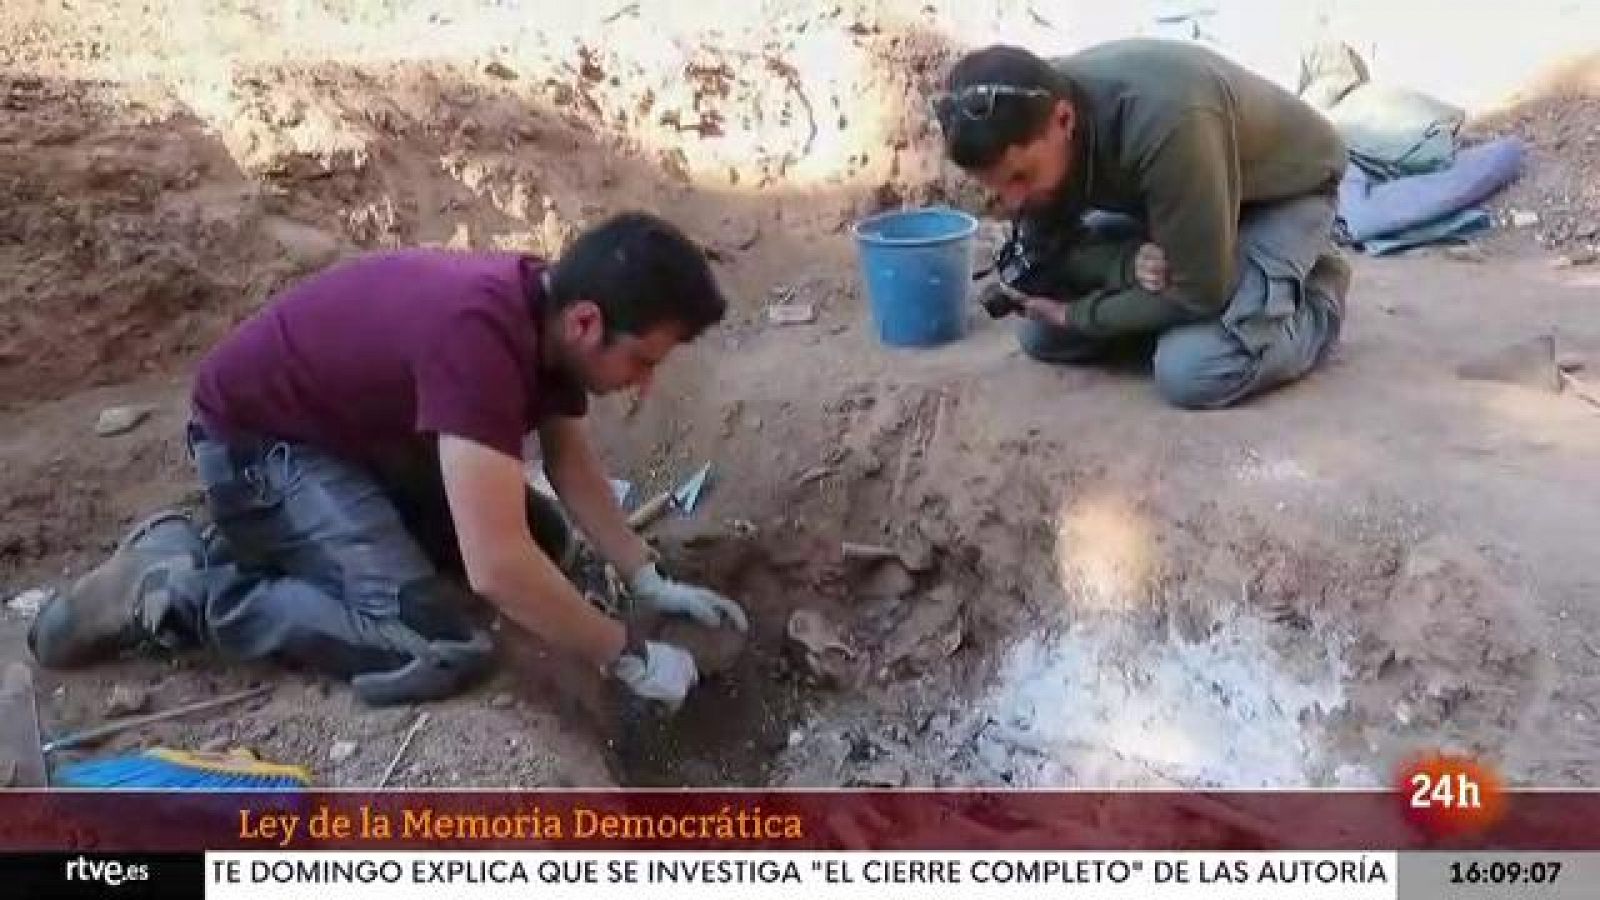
108, 872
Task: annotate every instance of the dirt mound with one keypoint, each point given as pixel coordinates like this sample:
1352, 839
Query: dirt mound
130, 242
1451, 649
1562, 131
150, 215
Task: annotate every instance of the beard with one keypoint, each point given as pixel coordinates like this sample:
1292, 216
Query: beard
1050, 203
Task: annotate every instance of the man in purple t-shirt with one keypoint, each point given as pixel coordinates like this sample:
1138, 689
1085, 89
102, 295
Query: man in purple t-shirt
360, 444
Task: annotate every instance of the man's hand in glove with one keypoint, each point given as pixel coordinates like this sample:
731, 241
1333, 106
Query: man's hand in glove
660, 672
654, 591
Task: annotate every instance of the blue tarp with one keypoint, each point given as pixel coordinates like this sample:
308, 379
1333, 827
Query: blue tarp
1453, 228
1408, 183
1430, 207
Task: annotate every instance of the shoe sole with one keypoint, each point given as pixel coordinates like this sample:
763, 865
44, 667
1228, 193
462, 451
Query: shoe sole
149, 523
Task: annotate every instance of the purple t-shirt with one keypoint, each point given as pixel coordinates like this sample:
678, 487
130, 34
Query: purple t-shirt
378, 351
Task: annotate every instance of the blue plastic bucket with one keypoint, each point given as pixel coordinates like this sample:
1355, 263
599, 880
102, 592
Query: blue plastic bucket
917, 265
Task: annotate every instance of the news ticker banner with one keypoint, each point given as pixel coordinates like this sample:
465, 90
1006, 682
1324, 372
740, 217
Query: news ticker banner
682, 820
803, 876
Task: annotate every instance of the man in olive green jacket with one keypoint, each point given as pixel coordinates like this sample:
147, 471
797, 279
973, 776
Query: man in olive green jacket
1161, 192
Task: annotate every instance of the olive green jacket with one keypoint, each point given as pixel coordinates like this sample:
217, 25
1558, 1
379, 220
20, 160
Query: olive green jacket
1182, 138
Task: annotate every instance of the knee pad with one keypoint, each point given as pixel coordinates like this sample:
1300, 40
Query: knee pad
438, 651
438, 670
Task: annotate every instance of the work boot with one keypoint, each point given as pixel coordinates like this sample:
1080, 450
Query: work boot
121, 603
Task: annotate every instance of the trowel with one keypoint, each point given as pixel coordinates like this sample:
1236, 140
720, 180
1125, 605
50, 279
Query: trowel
683, 498
1532, 363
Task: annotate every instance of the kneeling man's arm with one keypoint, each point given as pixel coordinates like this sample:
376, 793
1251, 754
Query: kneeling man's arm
1190, 181
573, 466
504, 564
1192, 191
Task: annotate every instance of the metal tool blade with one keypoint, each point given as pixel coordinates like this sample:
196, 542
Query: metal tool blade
687, 494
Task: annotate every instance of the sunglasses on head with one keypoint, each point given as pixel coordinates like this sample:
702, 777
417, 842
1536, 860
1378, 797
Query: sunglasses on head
976, 101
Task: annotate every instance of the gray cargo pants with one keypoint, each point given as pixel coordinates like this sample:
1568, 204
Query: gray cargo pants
1285, 315
343, 569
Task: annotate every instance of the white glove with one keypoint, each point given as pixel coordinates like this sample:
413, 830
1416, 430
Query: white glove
653, 590
663, 673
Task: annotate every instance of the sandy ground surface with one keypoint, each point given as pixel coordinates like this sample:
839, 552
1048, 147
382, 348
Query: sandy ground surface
1093, 589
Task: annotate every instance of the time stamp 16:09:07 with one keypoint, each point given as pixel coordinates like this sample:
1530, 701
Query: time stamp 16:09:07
1478, 872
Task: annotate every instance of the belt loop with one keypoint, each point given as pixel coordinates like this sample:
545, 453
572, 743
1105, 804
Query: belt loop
191, 436
277, 461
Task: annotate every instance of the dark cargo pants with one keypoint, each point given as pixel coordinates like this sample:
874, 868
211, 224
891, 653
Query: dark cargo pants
1284, 317
344, 569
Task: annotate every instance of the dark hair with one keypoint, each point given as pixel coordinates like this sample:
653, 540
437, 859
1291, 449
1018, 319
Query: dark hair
979, 143
642, 272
